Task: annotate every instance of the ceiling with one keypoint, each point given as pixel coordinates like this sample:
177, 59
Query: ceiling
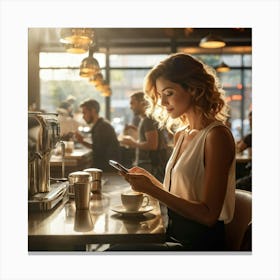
145, 40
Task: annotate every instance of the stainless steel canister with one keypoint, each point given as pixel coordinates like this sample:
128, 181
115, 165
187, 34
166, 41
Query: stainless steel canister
78, 177
96, 175
82, 195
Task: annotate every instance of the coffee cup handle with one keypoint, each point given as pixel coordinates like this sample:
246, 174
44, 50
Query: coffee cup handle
146, 201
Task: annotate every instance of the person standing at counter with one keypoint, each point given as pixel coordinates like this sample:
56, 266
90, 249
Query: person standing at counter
199, 184
105, 145
68, 125
151, 146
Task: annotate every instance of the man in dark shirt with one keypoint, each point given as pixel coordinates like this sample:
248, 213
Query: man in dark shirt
105, 145
151, 146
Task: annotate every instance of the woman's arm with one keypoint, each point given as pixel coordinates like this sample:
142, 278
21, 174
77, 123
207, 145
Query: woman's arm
219, 153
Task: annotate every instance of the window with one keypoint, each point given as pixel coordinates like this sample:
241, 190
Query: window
140, 61
126, 76
59, 77
237, 84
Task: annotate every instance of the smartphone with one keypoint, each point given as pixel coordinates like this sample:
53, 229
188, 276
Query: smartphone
118, 166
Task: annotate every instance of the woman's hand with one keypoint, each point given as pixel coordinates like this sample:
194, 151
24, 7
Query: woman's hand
139, 182
140, 178
139, 170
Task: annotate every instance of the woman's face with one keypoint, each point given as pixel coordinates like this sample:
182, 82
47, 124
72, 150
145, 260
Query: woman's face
174, 97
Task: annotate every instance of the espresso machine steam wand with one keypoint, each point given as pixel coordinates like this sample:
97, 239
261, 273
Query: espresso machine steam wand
63, 178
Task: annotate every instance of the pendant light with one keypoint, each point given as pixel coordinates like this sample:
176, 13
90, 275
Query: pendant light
89, 65
77, 40
211, 42
76, 48
102, 87
97, 79
222, 67
106, 92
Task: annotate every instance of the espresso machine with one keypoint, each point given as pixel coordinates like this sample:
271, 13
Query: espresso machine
44, 193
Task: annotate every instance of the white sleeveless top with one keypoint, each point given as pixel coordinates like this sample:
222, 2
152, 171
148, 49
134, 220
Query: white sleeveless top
184, 177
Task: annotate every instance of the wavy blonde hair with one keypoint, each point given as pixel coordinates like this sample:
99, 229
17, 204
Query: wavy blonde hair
193, 75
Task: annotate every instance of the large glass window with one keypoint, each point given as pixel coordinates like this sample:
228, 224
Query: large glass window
238, 88
126, 76
59, 78
64, 59
123, 82
148, 60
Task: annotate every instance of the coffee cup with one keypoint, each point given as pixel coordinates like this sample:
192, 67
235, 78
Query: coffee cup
69, 147
132, 200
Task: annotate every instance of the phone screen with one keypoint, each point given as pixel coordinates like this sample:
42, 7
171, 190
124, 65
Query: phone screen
118, 166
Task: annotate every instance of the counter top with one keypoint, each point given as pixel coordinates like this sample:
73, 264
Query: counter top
76, 155
66, 227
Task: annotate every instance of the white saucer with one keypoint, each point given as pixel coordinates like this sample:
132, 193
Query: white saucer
121, 210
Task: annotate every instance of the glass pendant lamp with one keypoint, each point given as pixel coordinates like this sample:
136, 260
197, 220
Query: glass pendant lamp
211, 42
89, 65
97, 79
222, 67
77, 40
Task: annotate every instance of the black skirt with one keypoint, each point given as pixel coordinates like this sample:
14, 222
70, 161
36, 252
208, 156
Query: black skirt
195, 236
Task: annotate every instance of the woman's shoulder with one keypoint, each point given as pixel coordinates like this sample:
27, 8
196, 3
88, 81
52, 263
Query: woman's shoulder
218, 128
220, 144
220, 134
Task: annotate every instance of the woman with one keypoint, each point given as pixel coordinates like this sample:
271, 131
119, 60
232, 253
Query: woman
199, 184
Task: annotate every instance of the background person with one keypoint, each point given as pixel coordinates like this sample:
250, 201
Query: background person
71, 100
104, 142
199, 184
68, 125
244, 174
151, 145
246, 142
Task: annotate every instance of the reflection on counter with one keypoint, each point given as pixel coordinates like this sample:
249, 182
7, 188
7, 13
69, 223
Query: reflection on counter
83, 221
99, 203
